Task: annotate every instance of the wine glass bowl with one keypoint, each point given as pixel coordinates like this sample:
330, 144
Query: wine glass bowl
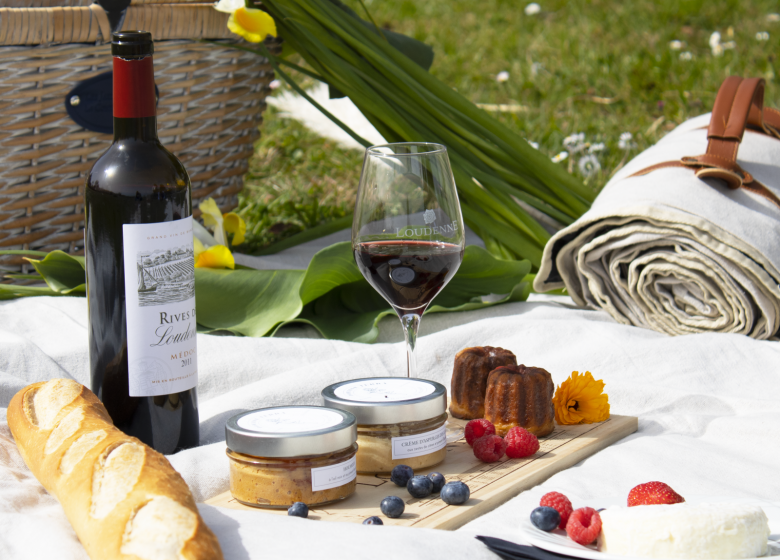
407, 232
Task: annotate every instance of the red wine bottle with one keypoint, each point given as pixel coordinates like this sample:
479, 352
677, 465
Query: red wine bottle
140, 266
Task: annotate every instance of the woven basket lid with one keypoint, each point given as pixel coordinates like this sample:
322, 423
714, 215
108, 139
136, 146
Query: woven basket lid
89, 24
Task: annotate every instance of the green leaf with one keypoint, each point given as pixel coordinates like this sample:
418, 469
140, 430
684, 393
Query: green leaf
62, 272
245, 301
331, 267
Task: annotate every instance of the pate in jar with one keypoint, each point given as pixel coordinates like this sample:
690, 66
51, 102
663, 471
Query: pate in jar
401, 421
287, 454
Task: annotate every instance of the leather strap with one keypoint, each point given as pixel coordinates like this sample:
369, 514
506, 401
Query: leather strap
738, 105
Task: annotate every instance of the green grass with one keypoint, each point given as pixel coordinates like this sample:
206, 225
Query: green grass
597, 67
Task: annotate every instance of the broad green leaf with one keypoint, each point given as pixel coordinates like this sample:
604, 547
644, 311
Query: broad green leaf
245, 301
331, 267
62, 272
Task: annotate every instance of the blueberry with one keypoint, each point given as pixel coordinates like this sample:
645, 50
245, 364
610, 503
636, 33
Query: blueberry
455, 493
401, 475
438, 481
298, 509
545, 518
419, 486
392, 506
373, 520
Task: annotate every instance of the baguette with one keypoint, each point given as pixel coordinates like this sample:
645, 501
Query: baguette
124, 500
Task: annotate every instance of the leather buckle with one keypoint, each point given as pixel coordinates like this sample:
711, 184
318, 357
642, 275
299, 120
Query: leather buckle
732, 179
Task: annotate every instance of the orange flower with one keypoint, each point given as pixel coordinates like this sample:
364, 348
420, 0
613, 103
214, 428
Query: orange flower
581, 400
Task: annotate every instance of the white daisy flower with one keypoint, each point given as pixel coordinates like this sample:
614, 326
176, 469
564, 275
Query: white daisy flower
589, 165
274, 84
686, 55
729, 45
714, 39
626, 141
717, 50
534, 145
559, 157
773, 18
532, 9
676, 45
598, 147
575, 143
762, 36
502, 76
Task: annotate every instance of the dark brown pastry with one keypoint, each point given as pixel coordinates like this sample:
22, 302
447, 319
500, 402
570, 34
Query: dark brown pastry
520, 396
469, 379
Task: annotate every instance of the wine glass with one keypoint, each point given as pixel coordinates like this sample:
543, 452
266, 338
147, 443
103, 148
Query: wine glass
407, 232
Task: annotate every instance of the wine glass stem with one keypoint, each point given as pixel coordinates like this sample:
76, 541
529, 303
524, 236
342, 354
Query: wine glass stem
411, 322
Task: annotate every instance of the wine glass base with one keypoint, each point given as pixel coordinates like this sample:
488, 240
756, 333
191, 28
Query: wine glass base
453, 431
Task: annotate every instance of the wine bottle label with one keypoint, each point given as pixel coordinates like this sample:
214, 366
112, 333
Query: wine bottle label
160, 307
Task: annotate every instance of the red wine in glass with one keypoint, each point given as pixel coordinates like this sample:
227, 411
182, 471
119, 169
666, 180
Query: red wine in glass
408, 274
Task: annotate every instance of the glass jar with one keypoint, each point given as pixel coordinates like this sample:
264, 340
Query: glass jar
400, 421
288, 454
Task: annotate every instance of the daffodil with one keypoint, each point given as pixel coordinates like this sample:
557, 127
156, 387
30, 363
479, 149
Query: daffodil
252, 24
581, 400
222, 225
217, 256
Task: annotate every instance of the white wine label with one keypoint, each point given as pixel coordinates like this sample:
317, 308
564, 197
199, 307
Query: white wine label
160, 307
325, 478
289, 420
384, 390
419, 444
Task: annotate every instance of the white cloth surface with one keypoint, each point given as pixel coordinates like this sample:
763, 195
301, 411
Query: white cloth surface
671, 252
707, 404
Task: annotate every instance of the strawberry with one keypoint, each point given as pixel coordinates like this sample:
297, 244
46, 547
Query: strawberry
651, 493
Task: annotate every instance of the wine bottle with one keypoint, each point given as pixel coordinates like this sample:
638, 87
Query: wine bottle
140, 266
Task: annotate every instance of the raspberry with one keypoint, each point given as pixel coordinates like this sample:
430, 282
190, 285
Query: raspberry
560, 503
584, 525
651, 493
475, 429
520, 443
489, 449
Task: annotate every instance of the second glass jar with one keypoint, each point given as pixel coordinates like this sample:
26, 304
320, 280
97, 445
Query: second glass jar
400, 421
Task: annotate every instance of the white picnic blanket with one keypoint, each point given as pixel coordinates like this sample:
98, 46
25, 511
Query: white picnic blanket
671, 252
707, 403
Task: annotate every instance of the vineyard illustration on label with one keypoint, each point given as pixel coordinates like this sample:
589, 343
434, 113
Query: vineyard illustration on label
166, 276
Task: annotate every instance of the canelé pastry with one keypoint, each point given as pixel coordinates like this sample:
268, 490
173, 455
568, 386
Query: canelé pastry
469, 379
520, 396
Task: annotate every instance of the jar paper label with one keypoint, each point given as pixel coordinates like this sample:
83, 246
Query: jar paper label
419, 444
160, 307
325, 478
289, 420
384, 390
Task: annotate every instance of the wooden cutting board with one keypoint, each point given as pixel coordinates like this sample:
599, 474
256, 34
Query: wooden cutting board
491, 484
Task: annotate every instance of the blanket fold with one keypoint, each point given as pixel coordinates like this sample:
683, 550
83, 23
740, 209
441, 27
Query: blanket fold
676, 253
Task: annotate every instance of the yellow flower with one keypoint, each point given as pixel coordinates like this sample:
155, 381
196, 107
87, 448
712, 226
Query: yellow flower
253, 25
581, 400
230, 223
237, 226
217, 256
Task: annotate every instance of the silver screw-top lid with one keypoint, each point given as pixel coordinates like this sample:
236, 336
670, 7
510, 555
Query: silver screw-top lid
388, 400
291, 431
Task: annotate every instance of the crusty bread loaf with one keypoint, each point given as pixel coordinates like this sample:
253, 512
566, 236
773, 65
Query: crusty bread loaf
124, 499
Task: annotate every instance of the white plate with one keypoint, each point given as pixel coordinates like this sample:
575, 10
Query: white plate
557, 541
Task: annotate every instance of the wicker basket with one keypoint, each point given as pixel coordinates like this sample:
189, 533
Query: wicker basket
211, 99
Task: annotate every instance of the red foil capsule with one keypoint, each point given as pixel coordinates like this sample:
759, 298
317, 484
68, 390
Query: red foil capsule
134, 88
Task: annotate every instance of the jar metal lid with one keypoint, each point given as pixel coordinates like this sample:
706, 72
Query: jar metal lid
388, 400
291, 431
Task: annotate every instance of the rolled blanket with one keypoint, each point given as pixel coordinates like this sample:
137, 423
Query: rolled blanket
676, 253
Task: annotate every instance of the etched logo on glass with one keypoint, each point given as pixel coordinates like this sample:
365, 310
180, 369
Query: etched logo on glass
429, 216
